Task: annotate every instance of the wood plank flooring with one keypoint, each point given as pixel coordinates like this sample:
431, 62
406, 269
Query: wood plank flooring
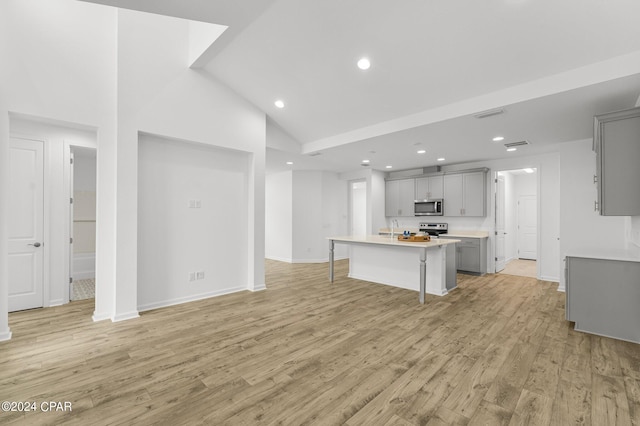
496, 351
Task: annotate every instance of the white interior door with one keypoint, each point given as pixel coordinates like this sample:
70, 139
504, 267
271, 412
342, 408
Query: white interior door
500, 224
71, 228
26, 223
527, 227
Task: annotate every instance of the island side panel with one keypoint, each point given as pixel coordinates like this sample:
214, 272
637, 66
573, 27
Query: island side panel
398, 266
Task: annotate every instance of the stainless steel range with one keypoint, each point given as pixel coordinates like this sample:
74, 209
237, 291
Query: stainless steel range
434, 229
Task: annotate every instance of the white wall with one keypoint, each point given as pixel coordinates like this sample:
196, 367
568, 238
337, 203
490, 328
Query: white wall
334, 212
358, 206
526, 184
175, 239
307, 216
84, 171
319, 211
185, 104
279, 216
304, 208
376, 190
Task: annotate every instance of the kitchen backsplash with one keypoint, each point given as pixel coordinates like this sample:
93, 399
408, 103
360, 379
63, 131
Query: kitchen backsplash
456, 223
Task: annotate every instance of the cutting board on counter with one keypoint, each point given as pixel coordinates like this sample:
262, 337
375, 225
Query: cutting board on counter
414, 238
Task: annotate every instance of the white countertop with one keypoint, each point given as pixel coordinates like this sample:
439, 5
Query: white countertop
631, 253
389, 241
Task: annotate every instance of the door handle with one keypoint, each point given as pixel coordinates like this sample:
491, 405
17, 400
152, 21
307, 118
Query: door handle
35, 244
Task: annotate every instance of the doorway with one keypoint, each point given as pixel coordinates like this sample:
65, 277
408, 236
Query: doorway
516, 230
358, 207
39, 219
82, 248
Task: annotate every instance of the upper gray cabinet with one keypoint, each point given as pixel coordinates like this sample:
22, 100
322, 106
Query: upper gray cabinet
429, 188
616, 141
399, 197
465, 194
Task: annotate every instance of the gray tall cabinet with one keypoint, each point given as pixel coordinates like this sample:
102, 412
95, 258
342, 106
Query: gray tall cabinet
399, 197
616, 141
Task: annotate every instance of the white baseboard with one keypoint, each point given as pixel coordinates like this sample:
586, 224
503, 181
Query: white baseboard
56, 302
552, 279
5, 336
258, 287
100, 316
279, 259
562, 289
84, 266
125, 316
186, 299
322, 260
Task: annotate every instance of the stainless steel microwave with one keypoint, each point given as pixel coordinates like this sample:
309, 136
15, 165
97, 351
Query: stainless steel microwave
428, 208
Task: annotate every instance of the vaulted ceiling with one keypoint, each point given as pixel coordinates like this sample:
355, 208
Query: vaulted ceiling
549, 65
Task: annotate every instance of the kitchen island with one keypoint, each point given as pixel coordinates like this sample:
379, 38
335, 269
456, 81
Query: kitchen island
419, 266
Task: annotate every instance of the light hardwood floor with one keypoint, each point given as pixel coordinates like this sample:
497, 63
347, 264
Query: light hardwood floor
521, 267
496, 351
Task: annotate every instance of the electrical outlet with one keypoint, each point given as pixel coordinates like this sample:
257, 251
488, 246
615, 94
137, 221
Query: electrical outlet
192, 276
200, 275
192, 204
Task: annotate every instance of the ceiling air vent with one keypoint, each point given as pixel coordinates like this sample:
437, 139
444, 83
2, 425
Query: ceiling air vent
514, 144
315, 154
430, 169
489, 113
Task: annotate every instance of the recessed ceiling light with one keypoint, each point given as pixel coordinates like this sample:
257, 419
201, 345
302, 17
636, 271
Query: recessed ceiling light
388, 167
422, 151
279, 103
511, 149
364, 64
498, 138
365, 161
441, 159
289, 162
528, 170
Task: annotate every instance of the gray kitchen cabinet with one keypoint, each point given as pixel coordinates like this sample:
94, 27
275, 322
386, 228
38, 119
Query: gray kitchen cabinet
465, 194
430, 188
399, 197
471, 255
616, 141
602, 297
